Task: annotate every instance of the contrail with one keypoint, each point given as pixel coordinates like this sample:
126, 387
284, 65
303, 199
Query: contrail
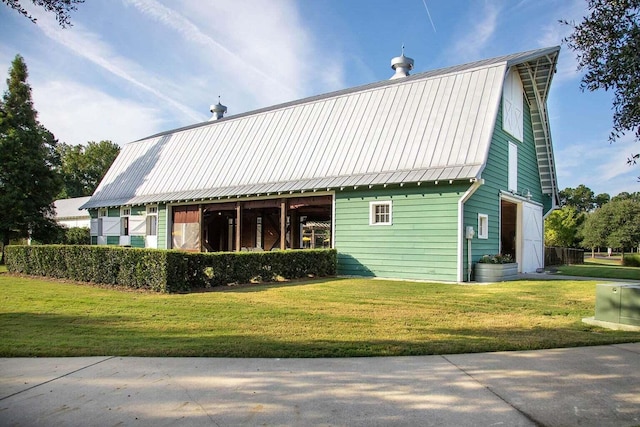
429, 14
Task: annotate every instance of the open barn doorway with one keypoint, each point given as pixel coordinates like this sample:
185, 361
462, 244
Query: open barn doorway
522, 234
509, 228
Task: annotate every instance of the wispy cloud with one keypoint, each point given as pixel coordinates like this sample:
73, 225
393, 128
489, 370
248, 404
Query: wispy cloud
610, 172
476, 38
258, 51
192, 33
76, 114
89, 46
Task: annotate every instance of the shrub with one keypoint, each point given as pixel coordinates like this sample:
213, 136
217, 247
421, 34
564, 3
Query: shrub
77, 236
496, 259
632, 260
166, 271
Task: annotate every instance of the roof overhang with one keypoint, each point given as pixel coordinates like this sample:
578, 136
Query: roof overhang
536, 73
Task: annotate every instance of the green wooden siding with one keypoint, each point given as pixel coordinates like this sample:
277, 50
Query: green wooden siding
113, 240
94, 240
137, 241
420, 244
162, 227
93, 213
528, 173
486, 199
113, 212
138, 210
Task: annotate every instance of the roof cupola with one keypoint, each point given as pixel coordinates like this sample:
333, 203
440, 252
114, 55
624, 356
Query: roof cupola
218, 111
402, 65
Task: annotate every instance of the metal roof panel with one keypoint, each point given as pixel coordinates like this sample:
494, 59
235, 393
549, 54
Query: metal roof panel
428, 125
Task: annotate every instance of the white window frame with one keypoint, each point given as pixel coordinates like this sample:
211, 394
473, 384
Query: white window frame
125, 213
124, 226
373, 215
102, 213
152, 212
513, 167
483, 226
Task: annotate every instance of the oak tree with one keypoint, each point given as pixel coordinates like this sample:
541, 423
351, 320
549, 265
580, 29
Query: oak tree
607, 43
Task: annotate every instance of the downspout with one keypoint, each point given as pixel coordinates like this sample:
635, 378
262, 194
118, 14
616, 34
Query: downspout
466, 196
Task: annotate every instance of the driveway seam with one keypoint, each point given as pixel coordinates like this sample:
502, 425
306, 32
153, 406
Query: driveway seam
56, 378
490, 390
620, 347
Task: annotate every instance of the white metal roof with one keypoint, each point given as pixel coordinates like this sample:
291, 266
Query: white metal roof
429, 126
70, 208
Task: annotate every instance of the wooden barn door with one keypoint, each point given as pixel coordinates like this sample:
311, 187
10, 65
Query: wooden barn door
532, 238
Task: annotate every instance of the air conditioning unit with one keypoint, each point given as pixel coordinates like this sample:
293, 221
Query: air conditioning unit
618, 303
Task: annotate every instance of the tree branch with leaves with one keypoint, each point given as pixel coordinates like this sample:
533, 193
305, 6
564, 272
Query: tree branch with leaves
607, 43
62, 9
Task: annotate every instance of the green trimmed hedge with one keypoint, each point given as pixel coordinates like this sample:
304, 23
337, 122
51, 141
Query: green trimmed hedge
166, 271
631, 260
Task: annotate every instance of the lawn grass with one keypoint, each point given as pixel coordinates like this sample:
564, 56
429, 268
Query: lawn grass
601, 267
322, 318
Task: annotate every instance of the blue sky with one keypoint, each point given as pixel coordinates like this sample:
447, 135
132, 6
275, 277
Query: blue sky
131, 68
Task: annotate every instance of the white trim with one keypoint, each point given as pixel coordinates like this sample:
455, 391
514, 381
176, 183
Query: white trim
483, 231
474, 187
333, 220
513, 105
372, 212
168, 225
516, 198
125, 230
512, 169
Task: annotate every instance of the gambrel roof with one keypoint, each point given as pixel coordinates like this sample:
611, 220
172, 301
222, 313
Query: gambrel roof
430, 126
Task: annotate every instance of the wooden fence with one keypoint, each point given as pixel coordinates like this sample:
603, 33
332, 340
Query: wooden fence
563, 256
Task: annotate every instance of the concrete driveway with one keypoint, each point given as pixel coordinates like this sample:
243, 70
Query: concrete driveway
589, 386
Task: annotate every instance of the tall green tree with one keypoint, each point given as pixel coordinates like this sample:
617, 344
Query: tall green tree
28, 159
61, 8
594, 232
607, 43
623, 217
616, 225
84, 166
582, 198
561, 227
625, 195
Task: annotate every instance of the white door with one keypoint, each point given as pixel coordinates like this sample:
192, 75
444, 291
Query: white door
532, 238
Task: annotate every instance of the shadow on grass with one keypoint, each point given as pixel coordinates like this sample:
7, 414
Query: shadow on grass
51, 335
263, 286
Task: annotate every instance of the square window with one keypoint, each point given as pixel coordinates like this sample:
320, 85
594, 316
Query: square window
380, 213
483, 226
